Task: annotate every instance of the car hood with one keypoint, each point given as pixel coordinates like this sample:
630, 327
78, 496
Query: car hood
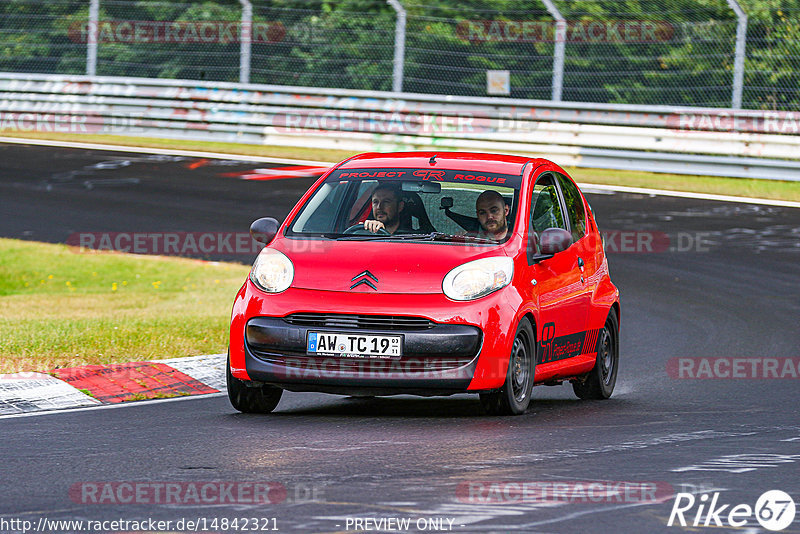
411, 268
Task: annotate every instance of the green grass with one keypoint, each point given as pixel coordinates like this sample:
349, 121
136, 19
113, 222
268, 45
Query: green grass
677, 182
62, 308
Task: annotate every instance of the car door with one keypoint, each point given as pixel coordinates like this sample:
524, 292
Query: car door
585, 247
557, 283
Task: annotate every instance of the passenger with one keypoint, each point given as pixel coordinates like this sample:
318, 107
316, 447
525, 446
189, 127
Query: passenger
386, 208
492, 212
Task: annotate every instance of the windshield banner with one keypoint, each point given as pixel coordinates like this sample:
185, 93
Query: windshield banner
426, 175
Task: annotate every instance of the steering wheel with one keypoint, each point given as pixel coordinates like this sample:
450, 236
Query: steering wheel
358, 229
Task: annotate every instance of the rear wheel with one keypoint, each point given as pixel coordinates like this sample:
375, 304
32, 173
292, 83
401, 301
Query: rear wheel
515, 395
600, 382
251, 399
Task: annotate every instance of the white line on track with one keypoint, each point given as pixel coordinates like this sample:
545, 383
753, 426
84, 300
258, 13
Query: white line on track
112, 406
686, 194
614, 508
161, 151
240, 157
575, 515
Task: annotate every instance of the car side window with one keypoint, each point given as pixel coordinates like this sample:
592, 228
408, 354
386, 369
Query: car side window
362, 205
319, 214
575, 211
546, 212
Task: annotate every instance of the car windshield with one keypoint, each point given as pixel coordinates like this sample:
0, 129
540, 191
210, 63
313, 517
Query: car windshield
411, 204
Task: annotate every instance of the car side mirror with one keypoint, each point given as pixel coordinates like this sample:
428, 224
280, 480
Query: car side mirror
264, 230
554, 240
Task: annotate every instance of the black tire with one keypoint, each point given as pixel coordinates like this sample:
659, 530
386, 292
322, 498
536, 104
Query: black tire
599, 383
515, 395
250, 399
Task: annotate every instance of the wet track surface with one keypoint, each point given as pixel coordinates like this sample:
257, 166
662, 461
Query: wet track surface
722, 282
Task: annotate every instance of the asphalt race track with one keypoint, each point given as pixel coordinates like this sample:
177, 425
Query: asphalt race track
49, 194
721, 282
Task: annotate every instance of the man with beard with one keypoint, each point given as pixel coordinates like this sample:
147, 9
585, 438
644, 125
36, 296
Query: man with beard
386, 207
492, 212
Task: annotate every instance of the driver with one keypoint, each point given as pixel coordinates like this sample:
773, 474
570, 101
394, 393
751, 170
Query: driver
386, 208
492, 212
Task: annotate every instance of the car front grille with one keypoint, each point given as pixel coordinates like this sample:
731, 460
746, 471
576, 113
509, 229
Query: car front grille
366, 322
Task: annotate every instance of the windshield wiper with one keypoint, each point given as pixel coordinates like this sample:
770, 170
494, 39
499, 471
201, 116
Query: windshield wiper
324, 235
375, 237
441, 236
432, 236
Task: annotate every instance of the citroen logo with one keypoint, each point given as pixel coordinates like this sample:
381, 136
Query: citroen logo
364, 278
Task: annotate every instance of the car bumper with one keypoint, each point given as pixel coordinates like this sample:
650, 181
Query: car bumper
465, 348
440, 358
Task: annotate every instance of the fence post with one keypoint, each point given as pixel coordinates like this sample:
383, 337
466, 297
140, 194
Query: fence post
558, 49
247, 41
738, 62
399, 46
91, 38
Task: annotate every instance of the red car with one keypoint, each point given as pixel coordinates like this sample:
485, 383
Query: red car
428, 274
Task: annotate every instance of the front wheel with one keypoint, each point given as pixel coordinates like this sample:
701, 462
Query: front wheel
515, 395
249, 399
600, 382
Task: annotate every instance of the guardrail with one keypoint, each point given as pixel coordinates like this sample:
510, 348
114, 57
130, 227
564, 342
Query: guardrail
684, 140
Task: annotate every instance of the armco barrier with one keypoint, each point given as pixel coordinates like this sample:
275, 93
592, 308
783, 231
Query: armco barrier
685, 140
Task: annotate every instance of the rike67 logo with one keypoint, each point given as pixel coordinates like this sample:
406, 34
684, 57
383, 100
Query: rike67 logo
774, 510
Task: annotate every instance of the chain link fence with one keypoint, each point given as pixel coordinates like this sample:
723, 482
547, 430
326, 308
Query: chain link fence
322, 44
450, 49
34, 36
134, 39
675, 52
772, 67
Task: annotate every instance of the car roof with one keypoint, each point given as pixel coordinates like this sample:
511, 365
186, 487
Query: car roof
460, 161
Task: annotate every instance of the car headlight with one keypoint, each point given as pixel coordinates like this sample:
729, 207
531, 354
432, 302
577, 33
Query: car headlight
478, 278
272, 271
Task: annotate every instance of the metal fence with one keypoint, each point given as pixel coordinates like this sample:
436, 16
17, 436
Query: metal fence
744, 143
712, 53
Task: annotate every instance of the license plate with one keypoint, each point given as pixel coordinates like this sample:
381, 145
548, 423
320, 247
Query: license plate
354, 345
